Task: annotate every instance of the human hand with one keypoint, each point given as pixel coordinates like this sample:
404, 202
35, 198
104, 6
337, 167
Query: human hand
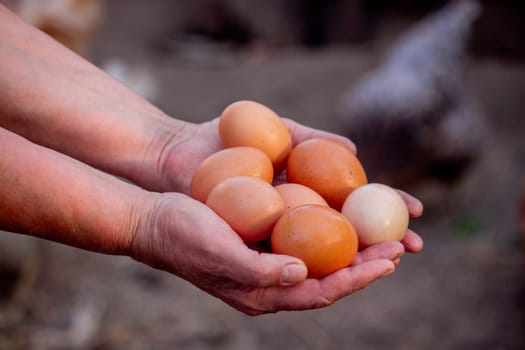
188, 239
412, 242
184, 237
195, 142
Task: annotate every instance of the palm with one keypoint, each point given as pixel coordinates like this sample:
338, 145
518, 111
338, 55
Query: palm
188, 240
198, 141
201, 140
186, 153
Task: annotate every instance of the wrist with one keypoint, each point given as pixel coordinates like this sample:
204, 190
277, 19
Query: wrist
153, 218
148, 168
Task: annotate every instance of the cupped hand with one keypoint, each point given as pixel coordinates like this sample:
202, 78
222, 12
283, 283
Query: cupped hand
184, 237
195, 142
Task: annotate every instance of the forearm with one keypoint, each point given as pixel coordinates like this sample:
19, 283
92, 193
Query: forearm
46, 194
55, 98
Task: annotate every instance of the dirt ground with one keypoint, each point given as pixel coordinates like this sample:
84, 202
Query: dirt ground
466, 290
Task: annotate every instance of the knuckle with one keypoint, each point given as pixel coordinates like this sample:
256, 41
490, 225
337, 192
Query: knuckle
320, 302
255, 303
262, 275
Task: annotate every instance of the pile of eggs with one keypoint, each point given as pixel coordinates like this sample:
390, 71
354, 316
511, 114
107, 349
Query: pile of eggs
323, 214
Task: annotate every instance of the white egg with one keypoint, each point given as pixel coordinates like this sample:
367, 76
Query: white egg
377, 212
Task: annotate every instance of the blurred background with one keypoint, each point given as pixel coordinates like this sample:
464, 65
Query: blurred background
432, 93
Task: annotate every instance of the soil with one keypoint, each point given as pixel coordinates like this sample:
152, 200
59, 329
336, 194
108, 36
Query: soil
466, 290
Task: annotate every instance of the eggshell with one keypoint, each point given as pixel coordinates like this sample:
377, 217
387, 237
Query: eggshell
327, 167
320, 236
248, 123
295, 195
249, 205
378, 213
236, 161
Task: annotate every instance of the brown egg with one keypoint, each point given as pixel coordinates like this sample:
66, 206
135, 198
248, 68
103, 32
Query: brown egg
249, 205
248, 123
378, 213
320, 236
327, 167
226, 163
295, 195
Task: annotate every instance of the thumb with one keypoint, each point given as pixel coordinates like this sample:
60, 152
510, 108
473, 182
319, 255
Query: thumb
266, 270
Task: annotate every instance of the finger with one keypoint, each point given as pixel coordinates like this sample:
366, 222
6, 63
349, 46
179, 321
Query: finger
239, 271
313, 293
412, 242
230, 258
396, 261
255, 269
301, 133
390, 250
415, 207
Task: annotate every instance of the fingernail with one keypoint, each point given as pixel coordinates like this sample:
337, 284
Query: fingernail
293, 274
398, 256
387, 272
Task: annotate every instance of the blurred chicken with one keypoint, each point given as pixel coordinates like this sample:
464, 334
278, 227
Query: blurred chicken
413, 117
71, 22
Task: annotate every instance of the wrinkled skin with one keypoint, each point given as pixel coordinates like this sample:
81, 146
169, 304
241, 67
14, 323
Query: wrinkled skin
186, 238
